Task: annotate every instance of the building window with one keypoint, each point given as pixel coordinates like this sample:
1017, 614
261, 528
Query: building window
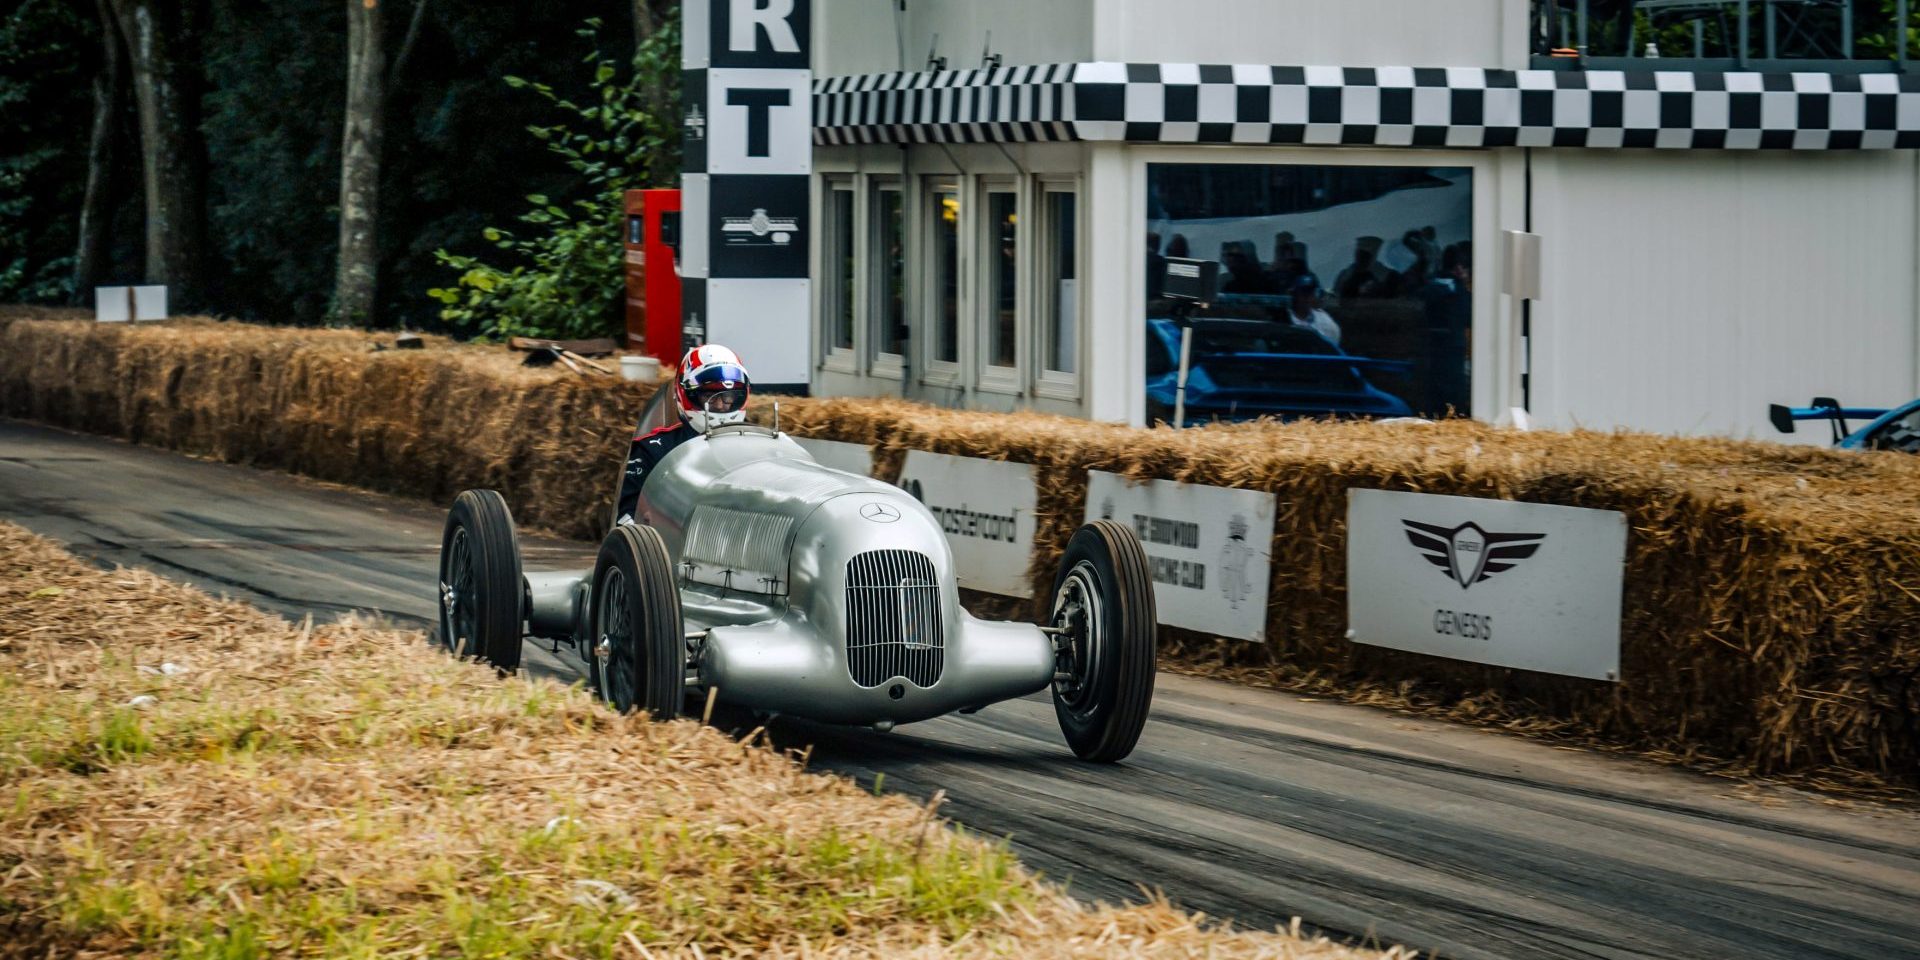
1345, 290
837, 260
1059, 280
1000, 300
887, 305
943, 272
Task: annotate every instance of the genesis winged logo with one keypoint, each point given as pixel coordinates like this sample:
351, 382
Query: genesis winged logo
1469, 554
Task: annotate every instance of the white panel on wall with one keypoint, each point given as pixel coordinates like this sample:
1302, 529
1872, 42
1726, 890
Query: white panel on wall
1350, 33
1684, 292
874, 36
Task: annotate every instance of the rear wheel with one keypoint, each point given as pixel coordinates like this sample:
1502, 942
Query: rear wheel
1105, 621
480, 581
638, 660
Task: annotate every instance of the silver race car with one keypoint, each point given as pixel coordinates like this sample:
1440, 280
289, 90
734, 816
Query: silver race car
786, 587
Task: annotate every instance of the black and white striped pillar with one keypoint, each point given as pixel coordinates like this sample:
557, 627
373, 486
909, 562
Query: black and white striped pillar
748, 133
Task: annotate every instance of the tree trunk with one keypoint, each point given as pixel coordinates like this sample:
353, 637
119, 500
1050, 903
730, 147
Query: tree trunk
96, 212
355, 283
644, 21
163, 59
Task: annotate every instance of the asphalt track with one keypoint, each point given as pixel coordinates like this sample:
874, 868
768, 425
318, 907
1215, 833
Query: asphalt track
1247, 804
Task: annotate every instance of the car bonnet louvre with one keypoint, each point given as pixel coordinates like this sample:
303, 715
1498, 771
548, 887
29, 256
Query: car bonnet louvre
741, 549
894, 627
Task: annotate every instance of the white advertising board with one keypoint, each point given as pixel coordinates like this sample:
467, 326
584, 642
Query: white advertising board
840, 455
986, 508
1208, 548
120, 304
1526, 585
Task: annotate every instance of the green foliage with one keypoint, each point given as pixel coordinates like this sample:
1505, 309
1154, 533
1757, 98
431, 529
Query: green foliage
1881, 37
561, 273
46, 56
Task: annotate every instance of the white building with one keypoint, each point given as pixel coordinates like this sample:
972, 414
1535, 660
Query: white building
1715, 236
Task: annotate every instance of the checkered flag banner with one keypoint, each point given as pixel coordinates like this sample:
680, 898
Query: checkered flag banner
1375, 106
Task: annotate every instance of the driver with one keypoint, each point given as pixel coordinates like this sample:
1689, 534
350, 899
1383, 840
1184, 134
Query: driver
711, 390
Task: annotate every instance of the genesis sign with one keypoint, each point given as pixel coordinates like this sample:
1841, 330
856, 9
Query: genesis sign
1525, 585
747, 139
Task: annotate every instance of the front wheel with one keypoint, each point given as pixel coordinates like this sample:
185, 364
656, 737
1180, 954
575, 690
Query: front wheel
639, 655
1104, 630
480, 581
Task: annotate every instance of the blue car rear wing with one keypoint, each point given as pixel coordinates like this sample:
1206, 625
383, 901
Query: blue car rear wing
1823, 408
1326, 359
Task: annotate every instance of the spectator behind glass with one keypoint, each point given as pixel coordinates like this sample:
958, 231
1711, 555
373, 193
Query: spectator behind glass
1366, 276
1443, 367
1243, 272
1177, 247
1303, 308
1420, 270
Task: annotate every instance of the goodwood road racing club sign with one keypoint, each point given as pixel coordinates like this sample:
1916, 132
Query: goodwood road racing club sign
1524, 585
1207, 549
747, 135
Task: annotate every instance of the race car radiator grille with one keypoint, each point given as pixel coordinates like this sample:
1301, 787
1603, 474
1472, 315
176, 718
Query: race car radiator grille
893, 619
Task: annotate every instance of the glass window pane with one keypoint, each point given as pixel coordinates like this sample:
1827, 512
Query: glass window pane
1345, 290
1002, 278
1060, 292
889, 259
839, 294
944, 215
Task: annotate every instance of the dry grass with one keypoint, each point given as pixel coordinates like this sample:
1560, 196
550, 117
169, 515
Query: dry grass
191, 777
1772, 608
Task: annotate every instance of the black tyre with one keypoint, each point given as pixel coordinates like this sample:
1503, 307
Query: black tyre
639, 656
480, 584
1104, 654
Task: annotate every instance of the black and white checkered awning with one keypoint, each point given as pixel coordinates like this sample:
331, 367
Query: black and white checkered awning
1374, 106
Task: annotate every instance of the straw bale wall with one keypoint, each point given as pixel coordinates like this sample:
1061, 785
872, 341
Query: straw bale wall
1772, 604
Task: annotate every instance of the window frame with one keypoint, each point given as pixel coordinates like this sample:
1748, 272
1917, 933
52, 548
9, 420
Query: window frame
992, 377
933, 370
1047, 382
834, 357
881, 362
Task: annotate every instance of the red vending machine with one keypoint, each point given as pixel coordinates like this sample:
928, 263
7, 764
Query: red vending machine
653, 278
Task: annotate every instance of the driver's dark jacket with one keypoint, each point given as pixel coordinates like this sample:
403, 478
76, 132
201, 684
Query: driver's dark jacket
648, 449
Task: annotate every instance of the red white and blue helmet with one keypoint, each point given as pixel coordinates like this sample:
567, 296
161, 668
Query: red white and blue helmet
712, 387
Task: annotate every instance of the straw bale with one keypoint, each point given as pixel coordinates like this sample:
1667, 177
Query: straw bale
294, 789
1772, 603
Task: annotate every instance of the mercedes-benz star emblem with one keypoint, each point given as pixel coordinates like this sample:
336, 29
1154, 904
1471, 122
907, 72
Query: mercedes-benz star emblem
879, 513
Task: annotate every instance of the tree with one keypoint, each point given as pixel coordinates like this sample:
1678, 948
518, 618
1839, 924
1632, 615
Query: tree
163, 57
46, 57
567, 281
92, 258
356, 279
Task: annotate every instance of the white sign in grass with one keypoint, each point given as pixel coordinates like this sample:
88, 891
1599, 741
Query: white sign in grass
1527, 585
986, 508
854, 458
1208, 549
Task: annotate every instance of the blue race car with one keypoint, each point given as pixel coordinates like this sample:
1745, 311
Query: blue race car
1243, 369
1897, 429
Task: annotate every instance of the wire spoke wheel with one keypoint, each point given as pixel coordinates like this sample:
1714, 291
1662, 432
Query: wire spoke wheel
613, 652
639, 650
480, 581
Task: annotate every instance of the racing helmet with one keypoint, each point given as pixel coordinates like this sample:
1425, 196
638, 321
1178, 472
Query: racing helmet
712, 387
